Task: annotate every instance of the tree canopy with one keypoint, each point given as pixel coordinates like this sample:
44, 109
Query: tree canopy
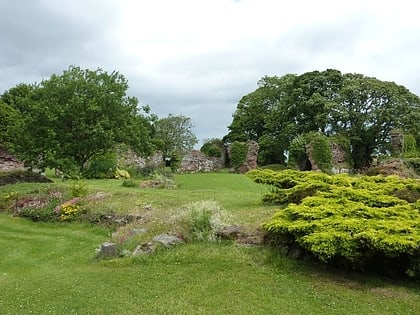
67, 119
173, 134
361, 108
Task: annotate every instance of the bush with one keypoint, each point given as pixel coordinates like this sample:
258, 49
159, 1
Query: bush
350, 221
274, 167
409, 149
212, 148
129, 183
122, 174
102, 166
238, 154
13, 177
321, 152
199, 221
413, 163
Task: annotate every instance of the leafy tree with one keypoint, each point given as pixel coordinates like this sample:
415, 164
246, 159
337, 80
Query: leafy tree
9, 117
213, 147
251, 120
363, 109
70, 118
173, 134
368, 110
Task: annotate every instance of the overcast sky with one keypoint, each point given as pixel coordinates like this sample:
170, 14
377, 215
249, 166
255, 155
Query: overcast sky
199, 57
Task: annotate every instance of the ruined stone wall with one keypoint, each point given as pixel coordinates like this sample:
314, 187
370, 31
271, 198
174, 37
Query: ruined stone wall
196, 161
251, 158
130, 158
8, 162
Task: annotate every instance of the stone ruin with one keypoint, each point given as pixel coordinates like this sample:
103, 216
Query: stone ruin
196, 161
8, 162
251, 158
339, 162
250, 162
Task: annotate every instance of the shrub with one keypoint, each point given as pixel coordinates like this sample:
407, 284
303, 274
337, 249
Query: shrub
102, 166
199, 221
413, 163
129, 183
212, 148
350, 221
238, 154
122, 174
69, 210
78, 189
297, 151
321, 152
274, 167
13, 177
409, 148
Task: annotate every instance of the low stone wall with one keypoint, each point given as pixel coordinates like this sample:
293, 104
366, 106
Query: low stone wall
8, 162
196, 161
129, 157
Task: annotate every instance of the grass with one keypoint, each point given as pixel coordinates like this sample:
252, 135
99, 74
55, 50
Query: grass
50, 268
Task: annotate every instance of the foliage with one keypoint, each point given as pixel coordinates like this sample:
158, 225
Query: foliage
78, 188
122, 174
362, 109
68, 119
9, 116
354, 221
212, 147
321, 152
69, 210
129, 183
102, 166
13, 177
173, 134
64, 254
297, 151
199, 221
273, 167
409, 149
413, 163
238, 152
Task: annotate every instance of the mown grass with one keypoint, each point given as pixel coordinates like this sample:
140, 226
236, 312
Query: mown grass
50, 268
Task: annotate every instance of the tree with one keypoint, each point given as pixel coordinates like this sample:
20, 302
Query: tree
173, 134
213, 147
251, 120
9, 117
363, 109
70, 118
368, 110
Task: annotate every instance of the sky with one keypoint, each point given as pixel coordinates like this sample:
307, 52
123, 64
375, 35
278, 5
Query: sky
198, 58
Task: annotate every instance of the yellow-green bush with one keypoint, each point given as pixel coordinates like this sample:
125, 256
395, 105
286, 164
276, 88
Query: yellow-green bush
353, 221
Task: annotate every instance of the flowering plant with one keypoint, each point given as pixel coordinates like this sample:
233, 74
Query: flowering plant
68, 210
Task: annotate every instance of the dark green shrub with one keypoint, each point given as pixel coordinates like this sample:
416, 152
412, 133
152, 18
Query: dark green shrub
102, 166
350, 221
297, 151
45, 214
175, 162
129, 183
413, 163
409, 149
321, 152
13, 177
274, 167
238, 154
212, 148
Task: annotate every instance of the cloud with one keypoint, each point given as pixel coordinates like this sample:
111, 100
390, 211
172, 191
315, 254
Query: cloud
198, 58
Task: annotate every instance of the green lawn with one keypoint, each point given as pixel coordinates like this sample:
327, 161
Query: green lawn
50, 268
